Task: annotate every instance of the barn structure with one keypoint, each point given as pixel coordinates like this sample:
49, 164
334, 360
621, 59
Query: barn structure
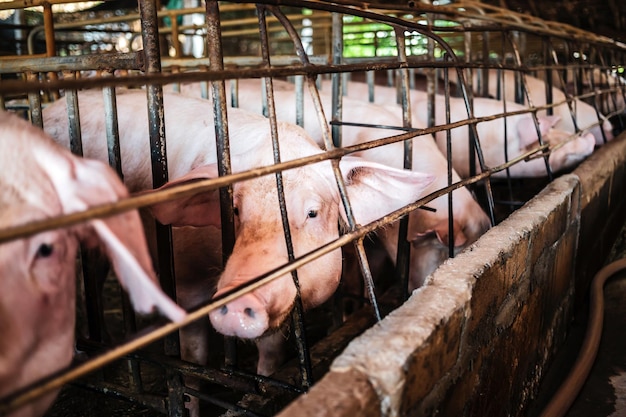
463, 315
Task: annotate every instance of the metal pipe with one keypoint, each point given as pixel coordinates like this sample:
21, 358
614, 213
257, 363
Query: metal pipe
298, 321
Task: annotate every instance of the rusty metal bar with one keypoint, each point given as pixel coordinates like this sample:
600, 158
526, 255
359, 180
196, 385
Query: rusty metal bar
320, 114
403, 257
131, 60
299, 85
158, 154
13, 86
34, 102
523, 84
297, 316
336, 90
218, 92
112, 130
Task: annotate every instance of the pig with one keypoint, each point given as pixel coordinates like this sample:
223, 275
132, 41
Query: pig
428, 231
521, 137
585, 114
608, 102
565, 156
41, 180
522, 132
312, 198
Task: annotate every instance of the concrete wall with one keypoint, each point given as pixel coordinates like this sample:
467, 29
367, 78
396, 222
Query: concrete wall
478, 338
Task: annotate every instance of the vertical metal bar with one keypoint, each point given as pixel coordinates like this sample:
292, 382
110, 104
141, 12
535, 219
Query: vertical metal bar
469, 80
325, 130
337, 45
615, 90
484, 72
73, 114
473, 137
175, 40
115, 161
299, 81
34, 102
524, 86
446, 82
158, 154
297, 315
48, 21
234, 92
502, 87
371, 86
546, 59
175, 86
293, 34
3, 104
91, 265
218, 91
264, 109
112, 130
403, 257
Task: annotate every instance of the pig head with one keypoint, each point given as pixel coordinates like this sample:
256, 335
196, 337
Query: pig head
41, 180
313, 208
428, 231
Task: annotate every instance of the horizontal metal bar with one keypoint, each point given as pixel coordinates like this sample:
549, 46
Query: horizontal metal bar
108, 61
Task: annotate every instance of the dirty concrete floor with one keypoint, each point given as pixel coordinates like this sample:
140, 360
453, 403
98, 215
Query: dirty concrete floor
604, 392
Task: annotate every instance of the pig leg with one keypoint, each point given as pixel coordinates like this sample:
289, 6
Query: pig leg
272, 351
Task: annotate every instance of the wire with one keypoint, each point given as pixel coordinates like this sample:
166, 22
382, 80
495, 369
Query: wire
569, 389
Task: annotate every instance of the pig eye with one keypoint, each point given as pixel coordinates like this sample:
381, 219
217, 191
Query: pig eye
236, 211
45, 250
312, 214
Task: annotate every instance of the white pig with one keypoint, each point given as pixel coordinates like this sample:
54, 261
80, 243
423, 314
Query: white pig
312, 197
602, 80
521, 131
428, 231
41, 180
521, 137
585, 114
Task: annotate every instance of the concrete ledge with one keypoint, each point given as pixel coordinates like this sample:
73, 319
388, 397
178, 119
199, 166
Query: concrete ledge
475, 340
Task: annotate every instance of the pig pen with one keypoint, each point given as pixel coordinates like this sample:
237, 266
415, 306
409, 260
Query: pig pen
476, 339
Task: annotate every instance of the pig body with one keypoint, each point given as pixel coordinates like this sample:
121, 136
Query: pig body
585, 114
37, 301
312, 197
521, 132
521, 136
613, 101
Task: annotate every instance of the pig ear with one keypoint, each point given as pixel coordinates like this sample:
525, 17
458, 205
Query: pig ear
82, 183
376, 190
527, 131
197, 210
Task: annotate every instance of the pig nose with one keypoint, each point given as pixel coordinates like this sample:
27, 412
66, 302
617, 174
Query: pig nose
244, 317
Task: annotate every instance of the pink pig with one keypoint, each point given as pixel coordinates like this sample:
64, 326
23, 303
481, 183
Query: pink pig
522, 132
41, 180
585, 113
428, 231
312, 198
521, 136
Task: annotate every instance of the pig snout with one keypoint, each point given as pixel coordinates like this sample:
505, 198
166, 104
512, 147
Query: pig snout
244, 317
572, 152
